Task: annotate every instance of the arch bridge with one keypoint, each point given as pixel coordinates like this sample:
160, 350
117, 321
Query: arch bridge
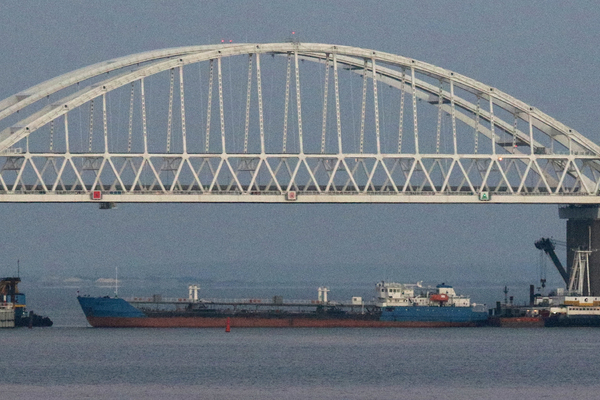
284, 122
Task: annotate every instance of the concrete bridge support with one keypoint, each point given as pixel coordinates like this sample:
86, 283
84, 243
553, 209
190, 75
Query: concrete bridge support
583, 232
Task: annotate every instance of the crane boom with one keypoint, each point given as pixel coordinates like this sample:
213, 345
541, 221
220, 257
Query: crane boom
547, 245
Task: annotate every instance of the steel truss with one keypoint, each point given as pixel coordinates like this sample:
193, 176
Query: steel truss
456, 140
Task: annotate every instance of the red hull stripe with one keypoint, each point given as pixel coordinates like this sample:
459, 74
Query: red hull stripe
241, 322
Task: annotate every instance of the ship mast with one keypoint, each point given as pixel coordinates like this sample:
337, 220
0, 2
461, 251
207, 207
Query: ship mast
580, 271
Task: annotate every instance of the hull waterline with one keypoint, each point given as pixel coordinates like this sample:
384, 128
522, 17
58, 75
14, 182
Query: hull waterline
241, 322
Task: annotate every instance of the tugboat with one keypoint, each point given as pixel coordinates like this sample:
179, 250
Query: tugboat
13, 311
520, 316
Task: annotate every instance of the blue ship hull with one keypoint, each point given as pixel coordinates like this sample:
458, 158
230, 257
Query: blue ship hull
108, 307
432, 314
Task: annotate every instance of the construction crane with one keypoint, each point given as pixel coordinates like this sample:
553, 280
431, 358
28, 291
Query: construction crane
548, 245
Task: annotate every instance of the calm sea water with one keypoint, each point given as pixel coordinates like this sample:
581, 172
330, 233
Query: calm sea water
73, 361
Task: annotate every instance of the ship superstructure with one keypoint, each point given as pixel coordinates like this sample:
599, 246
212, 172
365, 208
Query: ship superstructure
403, 295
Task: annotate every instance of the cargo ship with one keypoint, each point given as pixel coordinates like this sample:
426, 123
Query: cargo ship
13, 311
394, 305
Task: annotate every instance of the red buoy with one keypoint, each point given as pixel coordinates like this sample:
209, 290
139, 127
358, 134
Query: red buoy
228, 327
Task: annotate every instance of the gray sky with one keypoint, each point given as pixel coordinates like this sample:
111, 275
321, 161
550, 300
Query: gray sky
544, 53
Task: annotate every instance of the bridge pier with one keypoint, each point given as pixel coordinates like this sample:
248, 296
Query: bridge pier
583, 232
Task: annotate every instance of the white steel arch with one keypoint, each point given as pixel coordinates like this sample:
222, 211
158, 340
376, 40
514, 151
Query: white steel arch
463, 141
